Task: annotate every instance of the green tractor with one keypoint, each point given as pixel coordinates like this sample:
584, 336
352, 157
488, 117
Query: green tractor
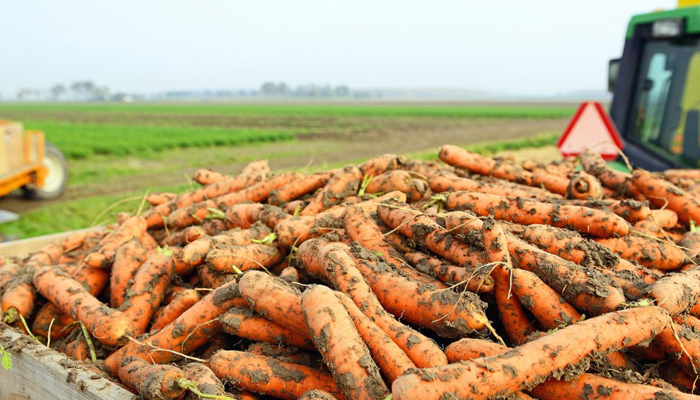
656, 88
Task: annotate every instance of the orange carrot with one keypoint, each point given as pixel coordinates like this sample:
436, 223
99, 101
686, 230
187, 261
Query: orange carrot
207, 177
476, 280
127, 260
295, 189
584, 186
444, 182
662, 193
381, 164
245, 215
419, 189
290, 274
77, 349
344, 275
283, 380
690, 243
192, 329
388, 181
181, 302
147, 290
676, 293
196, 252
153, 382
341, 346
251, 256
532, 362
391, 360
247, 324
207, 382
650, 253
620, 182
671, 174
522, 211
631, 210
109, 326
460, 157
213, 279
316, 395
158, 198
184, 237
288, 354
134, 227
344, 183
18, 298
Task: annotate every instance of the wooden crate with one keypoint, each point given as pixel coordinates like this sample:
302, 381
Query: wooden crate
13, 137
40, 373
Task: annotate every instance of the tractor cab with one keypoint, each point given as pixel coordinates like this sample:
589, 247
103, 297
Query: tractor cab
656, 89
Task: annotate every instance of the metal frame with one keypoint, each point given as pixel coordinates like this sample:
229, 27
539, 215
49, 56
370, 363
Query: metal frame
33, 171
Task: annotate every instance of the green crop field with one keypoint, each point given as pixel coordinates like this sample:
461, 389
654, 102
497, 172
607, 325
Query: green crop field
118, 152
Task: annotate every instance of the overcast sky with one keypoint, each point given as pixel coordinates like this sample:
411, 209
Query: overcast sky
509, 46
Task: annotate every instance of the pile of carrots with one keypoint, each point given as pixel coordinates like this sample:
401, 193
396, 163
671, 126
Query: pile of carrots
465, 278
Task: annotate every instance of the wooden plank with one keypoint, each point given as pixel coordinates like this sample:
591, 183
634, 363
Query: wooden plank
23, 248
40, 373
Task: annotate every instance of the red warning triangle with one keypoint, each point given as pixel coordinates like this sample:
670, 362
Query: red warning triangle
591, 127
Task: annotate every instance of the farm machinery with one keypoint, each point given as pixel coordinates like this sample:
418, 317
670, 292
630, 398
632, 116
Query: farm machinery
656, 88
29, 162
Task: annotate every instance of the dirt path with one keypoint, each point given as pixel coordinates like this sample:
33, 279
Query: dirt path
312, 149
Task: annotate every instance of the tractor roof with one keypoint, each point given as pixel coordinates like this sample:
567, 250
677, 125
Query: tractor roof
691, 15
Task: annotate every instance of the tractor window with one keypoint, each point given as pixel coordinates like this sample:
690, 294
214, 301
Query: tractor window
667, 97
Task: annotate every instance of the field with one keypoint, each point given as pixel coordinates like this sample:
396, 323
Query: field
117, 152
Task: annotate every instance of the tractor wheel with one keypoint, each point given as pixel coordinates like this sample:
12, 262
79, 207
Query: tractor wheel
56, 177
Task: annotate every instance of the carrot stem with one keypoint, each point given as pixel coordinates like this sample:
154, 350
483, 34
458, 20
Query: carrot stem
24, 322
192, 387
91, 347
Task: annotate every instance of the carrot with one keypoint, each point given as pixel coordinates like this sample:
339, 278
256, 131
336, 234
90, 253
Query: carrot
584, 186
690, 243
678, 292
381, 164
7, 272
181, 302
662, 193
468, 349
650, 253
288, 354
205, 379
675, 375
553, 183
127, 260
592, 386
631, 210
474, 279
213, 279
258, 192
158, 198
247, 214
153, 382
196, 252
316, 395
184, 237
147, 290
362, 229
207, 177
344, 183
446, 312
247, 324
18, 298
213, 227
189, 331
618, 181
109, 326
295, 189
344, 275
275, 299
341, 346
671, 174
681, 343
268, 376
50, 317
459, 157
534, 361
418, 190
134, 227
290, 274
391, 360
444, 182
159, 214
295, 230
388, 181
77, 349
74, 241
251, 256
515, 322
594, 292
595, 222
294, 207
666, 219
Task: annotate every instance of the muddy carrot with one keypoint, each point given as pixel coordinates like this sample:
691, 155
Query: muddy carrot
650, 253
388, 181
344, 183
391, 360
109, 326
381, 164
153, 382
184, 237
127, 260
196, 252
631, 210
522, 211
288, 354
18, 298
662, 193
283, 380
460, 157
181, 302
158, 198
677, 292
290, 274
476, 280
207, 177
134, 227
341, 346
344, 275
251, 256
532, 362
621, 182
316, 395
247, 324
192, 329
147, 290
584, 186
213, 279
245, 215
444, 182
295, 189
